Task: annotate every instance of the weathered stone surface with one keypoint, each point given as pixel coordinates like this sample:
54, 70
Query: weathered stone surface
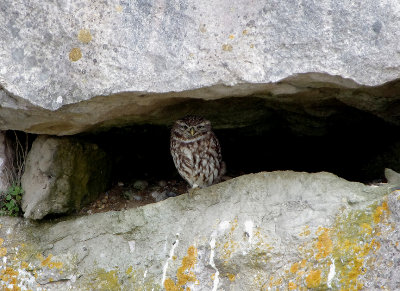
61, 174
281, 229
392, 176
6, 166
140, 59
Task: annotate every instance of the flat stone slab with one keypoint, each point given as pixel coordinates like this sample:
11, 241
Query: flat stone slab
56, 54
281, 229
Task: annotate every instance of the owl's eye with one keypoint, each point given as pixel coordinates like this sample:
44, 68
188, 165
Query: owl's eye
200, 127
185, 126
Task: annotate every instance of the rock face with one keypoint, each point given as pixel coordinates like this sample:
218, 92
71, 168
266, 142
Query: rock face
73, 66
6, 167
283, 230
61, 174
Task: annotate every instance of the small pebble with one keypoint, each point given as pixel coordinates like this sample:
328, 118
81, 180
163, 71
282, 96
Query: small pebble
120, 184
171, 194
137, 197
162, 183
140, 185
159, 196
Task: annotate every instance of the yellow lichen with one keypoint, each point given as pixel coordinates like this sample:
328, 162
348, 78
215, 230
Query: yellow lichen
184, 273
3, 252
380, 212
292, 286
294, 268
129, 270
106, 280
75, 54
231, 36
313, 279
306, 231
84, 35
227, 47
231, 277
324, 244
48, 263
24, 265
9, 277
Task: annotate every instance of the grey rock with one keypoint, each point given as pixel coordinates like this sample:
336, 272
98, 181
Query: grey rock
392, 177
68, 60
62, 174
394, 205
254, 232
159, 195
7, 170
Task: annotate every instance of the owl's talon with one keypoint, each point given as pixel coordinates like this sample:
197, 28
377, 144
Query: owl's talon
193, 190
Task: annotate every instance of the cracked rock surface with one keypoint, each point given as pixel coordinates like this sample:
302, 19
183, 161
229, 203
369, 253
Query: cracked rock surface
258, 231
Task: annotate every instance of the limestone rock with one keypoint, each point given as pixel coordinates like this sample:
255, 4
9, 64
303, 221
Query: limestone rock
392, 177
6, 165
282, 230
130, 62
61, 174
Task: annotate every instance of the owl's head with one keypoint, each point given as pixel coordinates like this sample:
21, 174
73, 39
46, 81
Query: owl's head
191, 127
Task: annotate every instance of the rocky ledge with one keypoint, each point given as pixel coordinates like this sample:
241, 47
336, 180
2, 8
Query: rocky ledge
287, 230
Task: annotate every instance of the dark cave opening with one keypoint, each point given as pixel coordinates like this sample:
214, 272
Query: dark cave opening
352, 145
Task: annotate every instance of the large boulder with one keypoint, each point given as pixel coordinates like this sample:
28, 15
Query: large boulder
62, 174
73, 66
282, 230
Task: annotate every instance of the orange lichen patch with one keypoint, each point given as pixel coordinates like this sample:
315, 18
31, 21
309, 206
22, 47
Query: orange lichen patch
231, 36
10, 277
303, 263
324, 243
3, 251
84, 35
366, 228
306, 231
184, 273
381, 212
75, 54
46, 262
24, 265
292, 286
294, 268
231, 277
313, 279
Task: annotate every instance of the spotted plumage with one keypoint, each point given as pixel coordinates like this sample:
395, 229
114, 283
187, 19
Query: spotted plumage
196, 151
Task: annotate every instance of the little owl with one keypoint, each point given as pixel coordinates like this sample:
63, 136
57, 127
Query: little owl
196, 152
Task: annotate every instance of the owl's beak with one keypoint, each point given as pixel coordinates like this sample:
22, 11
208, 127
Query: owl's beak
192, 131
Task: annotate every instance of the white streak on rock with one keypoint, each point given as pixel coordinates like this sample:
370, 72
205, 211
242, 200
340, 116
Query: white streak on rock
248, 227
171, 254
131, 246
212, 263
331, 273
